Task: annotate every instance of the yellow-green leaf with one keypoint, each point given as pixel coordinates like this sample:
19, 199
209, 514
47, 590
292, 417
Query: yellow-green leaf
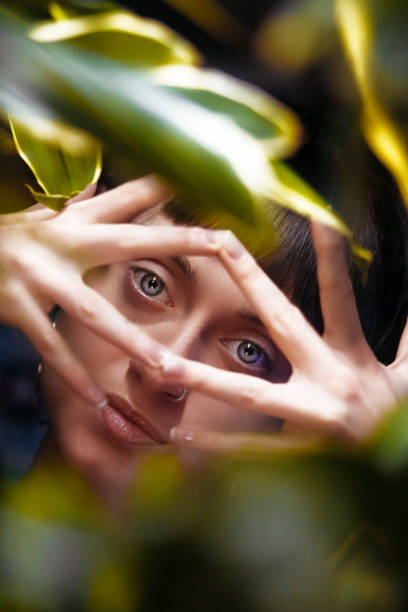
122, 36
64, 160
390, 442
296, 35
216, 150
272, 123
55, 201
355, 22
292, 191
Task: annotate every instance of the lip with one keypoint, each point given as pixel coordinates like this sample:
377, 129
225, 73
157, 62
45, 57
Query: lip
127, 423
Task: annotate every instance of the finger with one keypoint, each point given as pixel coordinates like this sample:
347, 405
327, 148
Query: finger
294, 401
103, 244
100, 316
121, 203
342, 328
220, 442
37, 212
287, 326
54, 350
85, 194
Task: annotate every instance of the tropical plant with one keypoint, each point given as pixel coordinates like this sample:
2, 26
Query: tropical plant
134, 86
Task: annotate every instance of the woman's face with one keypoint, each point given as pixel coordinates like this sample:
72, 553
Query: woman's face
191, 306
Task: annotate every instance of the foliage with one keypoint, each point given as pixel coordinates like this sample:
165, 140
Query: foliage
323, 529
373, 36
316, 529
212, 136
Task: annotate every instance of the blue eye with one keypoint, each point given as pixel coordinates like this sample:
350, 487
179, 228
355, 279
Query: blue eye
249, 352
151, 284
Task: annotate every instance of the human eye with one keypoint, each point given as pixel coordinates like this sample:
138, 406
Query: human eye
250, 354
150, 285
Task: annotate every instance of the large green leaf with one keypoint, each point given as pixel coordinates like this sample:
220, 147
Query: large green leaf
255, 111
120, 35
63, 160
293, 192
356, 24
216, 150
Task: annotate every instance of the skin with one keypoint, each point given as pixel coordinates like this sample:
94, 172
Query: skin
337, 387
189, 316
44, 256
109, 339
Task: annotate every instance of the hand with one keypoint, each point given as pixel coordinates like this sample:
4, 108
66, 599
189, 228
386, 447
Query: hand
337, 385
44, 255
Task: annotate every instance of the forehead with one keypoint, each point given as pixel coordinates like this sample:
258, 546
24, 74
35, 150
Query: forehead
206, 273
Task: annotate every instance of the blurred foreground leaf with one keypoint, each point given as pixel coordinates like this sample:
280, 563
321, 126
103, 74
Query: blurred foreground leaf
206, 134
63, 163
121, 36
357, 29
390, 445
289, 532
297, 35
269, 121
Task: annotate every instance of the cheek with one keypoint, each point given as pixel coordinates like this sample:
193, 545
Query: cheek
206, 413
94, 352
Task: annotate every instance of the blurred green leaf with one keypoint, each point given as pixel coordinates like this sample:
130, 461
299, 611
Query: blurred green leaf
64, 160
293, 192
121, 36
43, 8
114, 588
220, 163
256, 112
390, 443
297, 35
356, 24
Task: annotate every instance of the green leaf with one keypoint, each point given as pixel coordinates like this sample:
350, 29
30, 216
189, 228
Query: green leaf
292, 191
356, 25
216, 150
122, 36
56, 202
252, 109
296, 35
63, 159
389, 447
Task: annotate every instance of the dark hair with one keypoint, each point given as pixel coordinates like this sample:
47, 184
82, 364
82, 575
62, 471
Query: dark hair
382, 297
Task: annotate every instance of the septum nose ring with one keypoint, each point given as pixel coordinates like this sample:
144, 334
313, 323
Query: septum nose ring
177, 397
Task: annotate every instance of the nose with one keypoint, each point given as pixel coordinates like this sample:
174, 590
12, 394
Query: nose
186, 344
151, 382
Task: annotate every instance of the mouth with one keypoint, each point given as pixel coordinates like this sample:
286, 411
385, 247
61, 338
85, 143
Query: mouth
127, 424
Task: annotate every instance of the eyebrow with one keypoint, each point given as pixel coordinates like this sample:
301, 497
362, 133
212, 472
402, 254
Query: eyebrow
185, 266
250, 316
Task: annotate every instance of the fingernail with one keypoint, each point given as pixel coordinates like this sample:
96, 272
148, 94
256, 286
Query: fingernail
181, 435
233, 246
102, 404
96, 395
170, 364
